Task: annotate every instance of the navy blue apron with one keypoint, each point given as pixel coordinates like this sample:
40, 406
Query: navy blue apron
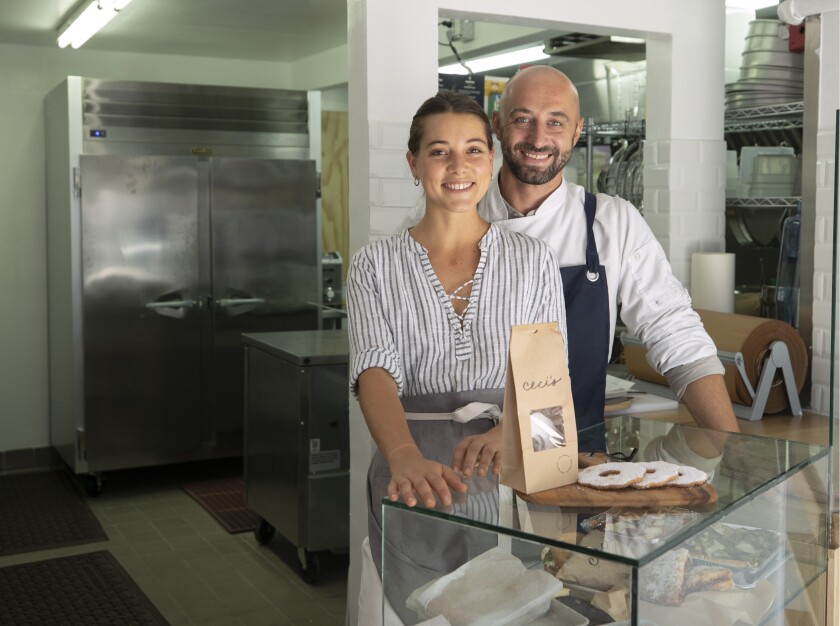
588, 322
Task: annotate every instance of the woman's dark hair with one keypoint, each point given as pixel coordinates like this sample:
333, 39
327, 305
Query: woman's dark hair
446, 102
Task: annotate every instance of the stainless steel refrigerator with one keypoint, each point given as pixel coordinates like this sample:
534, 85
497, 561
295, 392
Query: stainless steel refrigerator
159, 262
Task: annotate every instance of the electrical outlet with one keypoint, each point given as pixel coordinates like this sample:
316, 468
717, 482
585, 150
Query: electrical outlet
467, 30
461, 30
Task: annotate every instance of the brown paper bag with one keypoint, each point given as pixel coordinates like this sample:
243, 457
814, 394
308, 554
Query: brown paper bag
539, 433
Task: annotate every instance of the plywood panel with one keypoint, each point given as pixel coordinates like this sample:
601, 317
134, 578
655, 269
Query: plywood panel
335, 184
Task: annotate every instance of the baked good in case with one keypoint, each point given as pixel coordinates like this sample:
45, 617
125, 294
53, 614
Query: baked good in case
708, 578
661, 582
611, 475
688, 476
657, 474
735, 546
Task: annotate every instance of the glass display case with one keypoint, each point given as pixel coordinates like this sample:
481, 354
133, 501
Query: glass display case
741, 554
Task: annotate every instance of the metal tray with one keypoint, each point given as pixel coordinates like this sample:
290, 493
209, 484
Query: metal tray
560, 615
748, 577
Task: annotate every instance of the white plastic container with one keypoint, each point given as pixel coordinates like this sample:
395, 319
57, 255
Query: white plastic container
748, 157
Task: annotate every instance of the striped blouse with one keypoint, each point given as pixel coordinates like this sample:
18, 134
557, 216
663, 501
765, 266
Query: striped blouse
401, 319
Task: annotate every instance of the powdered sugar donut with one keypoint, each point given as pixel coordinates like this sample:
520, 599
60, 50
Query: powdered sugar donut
688, 477
657, 473
611, 475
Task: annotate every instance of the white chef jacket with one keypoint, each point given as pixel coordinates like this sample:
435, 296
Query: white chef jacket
655, 306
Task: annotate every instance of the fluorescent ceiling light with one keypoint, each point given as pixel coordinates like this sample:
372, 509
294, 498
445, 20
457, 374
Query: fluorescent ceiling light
620, 39
87, 20
750, 5
505, 59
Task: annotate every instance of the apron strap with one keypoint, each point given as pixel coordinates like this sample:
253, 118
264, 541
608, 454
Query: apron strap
592, 261
449, 401
463, 415
458, 406
588, 322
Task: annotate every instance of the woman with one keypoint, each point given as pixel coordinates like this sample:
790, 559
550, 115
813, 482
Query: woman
430, 311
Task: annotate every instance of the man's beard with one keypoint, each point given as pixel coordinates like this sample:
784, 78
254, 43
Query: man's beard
532, 175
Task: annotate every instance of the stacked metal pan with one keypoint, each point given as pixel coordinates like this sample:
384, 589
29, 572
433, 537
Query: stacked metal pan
622, 175
770, 73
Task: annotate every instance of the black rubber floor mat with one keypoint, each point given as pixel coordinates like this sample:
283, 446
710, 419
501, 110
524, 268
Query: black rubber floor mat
42, 511
90, 588
224, 500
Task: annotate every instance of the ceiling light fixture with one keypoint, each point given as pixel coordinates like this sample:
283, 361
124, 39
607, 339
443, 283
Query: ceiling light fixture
620, 39
505, 59
87, 20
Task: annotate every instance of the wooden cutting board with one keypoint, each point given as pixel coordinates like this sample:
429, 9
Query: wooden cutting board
586, 497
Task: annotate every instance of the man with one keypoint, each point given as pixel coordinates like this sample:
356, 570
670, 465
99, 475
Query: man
608, 255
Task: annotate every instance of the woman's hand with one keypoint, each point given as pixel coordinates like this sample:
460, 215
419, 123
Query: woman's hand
484, 450
412, 473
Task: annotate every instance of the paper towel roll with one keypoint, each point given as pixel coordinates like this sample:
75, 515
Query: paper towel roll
752, 337
713, 281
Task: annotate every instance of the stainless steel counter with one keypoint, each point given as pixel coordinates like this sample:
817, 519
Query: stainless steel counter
297, 440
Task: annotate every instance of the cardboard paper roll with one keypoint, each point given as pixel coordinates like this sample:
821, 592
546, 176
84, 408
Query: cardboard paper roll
752, 337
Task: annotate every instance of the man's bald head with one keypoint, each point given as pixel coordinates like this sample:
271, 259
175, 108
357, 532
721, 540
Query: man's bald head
538, 124
541, 77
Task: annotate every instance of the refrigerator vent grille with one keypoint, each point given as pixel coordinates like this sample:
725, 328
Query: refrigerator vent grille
131, 117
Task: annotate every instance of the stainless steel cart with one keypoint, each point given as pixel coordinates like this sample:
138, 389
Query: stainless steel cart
297, 440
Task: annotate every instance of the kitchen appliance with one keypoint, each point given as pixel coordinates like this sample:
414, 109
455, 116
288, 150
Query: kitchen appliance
332, 290
179, 217
297, 440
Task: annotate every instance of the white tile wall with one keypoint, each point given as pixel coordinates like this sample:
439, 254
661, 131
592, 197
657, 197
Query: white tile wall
825, 271
385, 163
394, 198
398, 192
386, 221
684, 192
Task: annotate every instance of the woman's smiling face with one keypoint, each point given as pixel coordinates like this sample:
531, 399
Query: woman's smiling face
454, 162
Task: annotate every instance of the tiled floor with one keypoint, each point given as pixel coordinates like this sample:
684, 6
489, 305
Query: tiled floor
192, 569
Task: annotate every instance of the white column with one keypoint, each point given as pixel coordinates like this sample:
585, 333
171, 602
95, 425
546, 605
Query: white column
392, 69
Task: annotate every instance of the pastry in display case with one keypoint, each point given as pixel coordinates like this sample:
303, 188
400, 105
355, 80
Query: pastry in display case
497, 556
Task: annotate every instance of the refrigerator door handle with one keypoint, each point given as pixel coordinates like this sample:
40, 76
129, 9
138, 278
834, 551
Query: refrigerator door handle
171, 304
228, 302
173, 308
238, 306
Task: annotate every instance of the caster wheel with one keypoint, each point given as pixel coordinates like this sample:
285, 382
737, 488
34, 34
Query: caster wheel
310, 566
263, 532
92, 484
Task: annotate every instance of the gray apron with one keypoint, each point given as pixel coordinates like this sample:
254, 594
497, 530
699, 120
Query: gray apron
420, 548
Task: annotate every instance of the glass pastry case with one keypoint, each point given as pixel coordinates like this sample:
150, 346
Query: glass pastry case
741, 550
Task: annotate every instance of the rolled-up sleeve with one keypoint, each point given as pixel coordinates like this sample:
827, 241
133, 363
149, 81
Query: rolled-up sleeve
371, 339
656, 307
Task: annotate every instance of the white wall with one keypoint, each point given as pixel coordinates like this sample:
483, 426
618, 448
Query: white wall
334, 98
737, 27
27, 74
393, 51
